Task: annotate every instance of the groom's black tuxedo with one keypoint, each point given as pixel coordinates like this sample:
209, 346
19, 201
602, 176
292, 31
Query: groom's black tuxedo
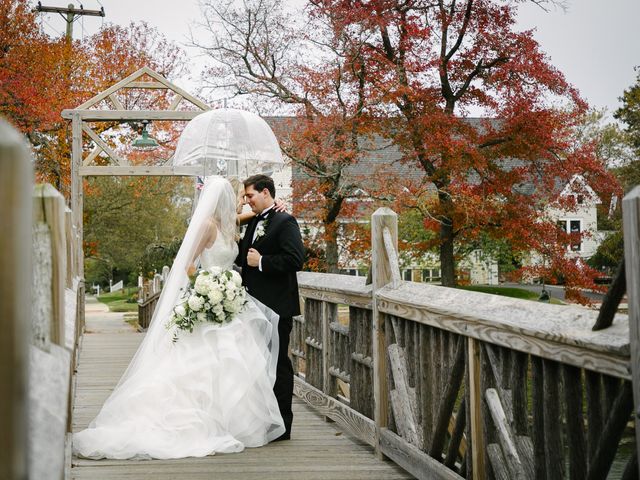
277, 287
282, 256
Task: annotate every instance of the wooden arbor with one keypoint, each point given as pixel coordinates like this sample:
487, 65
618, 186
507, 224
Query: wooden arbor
107, 107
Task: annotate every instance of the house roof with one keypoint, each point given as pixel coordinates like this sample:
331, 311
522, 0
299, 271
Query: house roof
382, 153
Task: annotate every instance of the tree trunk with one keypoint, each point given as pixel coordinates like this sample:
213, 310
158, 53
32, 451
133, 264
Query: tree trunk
331, 247
447, 262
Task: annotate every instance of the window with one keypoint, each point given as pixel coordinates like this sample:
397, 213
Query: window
406, 275
431, 275
574, 229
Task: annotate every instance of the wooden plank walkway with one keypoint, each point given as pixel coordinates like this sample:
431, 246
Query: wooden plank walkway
317, 450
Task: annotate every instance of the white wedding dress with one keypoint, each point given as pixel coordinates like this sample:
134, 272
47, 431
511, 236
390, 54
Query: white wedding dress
209, 392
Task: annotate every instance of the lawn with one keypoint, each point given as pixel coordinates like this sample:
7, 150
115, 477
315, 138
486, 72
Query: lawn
117, 301
508, 292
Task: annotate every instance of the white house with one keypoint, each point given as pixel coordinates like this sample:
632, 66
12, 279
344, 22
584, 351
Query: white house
583, 220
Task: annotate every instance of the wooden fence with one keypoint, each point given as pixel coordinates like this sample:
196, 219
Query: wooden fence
456, 384
41, 317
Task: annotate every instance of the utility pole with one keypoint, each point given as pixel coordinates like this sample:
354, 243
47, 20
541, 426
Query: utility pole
70, 14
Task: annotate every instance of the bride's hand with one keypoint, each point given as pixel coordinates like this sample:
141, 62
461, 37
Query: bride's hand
191, 270
280, 206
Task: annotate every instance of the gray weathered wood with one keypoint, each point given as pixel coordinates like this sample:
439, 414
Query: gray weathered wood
16, 175
595, 421
538, 425
134, 170
456, 437
402, 397
576, 441
505, 435
128, 115
147, 85
412, 459
631, 226
77, 195
561, 333
447, 402
115, 158
620, 412
519, 385
132, 78
116, 103
381, 276
392, 255
49, 208
335, 288
316, 451
498, 463
358, 425
48, 410
553, 445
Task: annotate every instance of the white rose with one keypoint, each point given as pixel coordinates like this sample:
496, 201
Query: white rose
215, 297
203, 284
202, 317
238, 304
236, 278
195, 302
180, 310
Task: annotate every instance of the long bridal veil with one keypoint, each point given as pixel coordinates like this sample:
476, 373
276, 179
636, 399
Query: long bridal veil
215, 204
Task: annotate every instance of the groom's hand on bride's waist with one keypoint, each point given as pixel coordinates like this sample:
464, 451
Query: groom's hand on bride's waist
253, 258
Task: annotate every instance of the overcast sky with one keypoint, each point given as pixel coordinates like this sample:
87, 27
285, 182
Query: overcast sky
595, 43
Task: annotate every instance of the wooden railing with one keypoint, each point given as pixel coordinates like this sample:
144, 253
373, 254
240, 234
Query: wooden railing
146, 307
456, 384
41, 318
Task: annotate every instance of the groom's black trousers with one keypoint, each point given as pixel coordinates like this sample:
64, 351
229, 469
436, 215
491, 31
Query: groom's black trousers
283, 387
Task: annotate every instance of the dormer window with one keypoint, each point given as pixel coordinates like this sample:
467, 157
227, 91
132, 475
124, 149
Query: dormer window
580, 199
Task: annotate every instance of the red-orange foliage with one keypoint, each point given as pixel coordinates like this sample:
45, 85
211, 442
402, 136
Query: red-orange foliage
434, 62
40, 76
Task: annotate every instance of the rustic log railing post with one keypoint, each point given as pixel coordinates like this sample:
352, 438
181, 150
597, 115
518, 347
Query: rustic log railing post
51, 210
381, 276
631, 223
16, 177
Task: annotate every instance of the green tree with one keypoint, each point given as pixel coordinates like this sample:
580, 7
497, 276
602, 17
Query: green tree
125, 215
629, 115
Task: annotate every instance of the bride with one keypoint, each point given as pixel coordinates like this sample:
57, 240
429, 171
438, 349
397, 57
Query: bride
209, 392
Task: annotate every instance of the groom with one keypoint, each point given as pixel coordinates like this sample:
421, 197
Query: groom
271, 253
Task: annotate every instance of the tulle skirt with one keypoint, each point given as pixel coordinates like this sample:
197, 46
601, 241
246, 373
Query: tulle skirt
209, 392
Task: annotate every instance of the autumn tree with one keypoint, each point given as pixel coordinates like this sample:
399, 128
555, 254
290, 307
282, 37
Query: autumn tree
40, 76
295, 64
435, 63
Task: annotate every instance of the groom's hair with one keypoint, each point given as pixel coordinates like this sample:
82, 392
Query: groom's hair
260, 182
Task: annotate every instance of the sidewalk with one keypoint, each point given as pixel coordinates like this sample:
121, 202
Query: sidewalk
98, 318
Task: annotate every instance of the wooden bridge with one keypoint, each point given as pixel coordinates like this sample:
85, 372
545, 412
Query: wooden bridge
439, 382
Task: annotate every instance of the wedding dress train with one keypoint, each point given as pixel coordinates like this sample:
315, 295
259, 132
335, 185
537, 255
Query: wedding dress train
209, 392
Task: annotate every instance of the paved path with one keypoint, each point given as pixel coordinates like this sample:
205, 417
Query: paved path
98, 319
318, 450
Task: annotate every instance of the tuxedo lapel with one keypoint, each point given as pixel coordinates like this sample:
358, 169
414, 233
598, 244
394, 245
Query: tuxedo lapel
247, 240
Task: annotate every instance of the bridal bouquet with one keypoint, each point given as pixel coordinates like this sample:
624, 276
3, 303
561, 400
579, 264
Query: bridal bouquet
215, 295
